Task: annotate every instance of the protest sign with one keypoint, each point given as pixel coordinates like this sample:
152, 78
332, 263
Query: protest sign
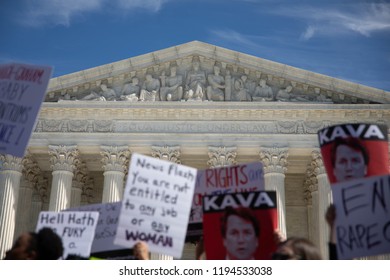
103, 243
353, 151
240, 225
230, 179
362, 217
76, 229
156, 205
22, 90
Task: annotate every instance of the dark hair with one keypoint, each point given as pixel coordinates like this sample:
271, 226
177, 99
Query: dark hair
352, 143
47, 244
242, 212
303, 249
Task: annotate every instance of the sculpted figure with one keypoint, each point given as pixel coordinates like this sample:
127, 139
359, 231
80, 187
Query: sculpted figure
107, 94
322, 98
240, 92
286, 95
263, 92
130, 91
215, 90
150, 89
195, 82
173, 89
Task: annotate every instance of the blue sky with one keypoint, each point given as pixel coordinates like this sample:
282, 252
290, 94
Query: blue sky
347, 39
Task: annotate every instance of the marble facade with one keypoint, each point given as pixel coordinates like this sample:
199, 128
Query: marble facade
194, 104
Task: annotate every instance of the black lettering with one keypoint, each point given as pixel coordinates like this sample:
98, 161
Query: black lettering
349, 201
386, 231
371, 233
378, 195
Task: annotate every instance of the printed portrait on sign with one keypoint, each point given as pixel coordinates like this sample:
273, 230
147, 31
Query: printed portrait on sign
246, 177
354, 151
239, 226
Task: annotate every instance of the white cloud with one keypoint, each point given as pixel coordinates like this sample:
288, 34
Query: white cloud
152, 5
62, 12
41, 12
310, 31
364, 19
234, 37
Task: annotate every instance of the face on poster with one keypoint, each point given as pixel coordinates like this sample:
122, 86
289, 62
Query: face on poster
238, 178
22, 90
354, 151
239, 226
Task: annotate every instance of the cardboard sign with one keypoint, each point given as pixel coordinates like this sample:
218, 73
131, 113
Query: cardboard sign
22, 90
106, 227
240, 225
238, 178
156, 205
362, 217
353, 151
76, 229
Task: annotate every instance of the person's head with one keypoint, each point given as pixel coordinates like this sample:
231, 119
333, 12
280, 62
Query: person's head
240, 230
262, 83
349, 159
289, 88
297, 248
44, 245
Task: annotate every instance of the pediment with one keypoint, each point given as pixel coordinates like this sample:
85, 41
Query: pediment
222, 75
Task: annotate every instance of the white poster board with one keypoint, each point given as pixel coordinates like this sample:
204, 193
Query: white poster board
156, 205
106, 227
362, 217
76, 229
22, 90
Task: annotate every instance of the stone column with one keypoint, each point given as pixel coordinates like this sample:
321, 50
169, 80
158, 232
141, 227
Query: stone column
79, 179
87, 195
115, 165
323, 202
222, 156
63, 162
11, 173
275, 165
39, 196
310, 186
172, 154
29, 180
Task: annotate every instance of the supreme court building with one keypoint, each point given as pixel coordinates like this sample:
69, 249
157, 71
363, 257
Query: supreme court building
195, 104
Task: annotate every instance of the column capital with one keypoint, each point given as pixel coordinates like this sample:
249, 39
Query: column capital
63, 157
11, 163
221, 156
80, 174
317, 163
310, 184
31, 170
169, 153
274, 159
115, 158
